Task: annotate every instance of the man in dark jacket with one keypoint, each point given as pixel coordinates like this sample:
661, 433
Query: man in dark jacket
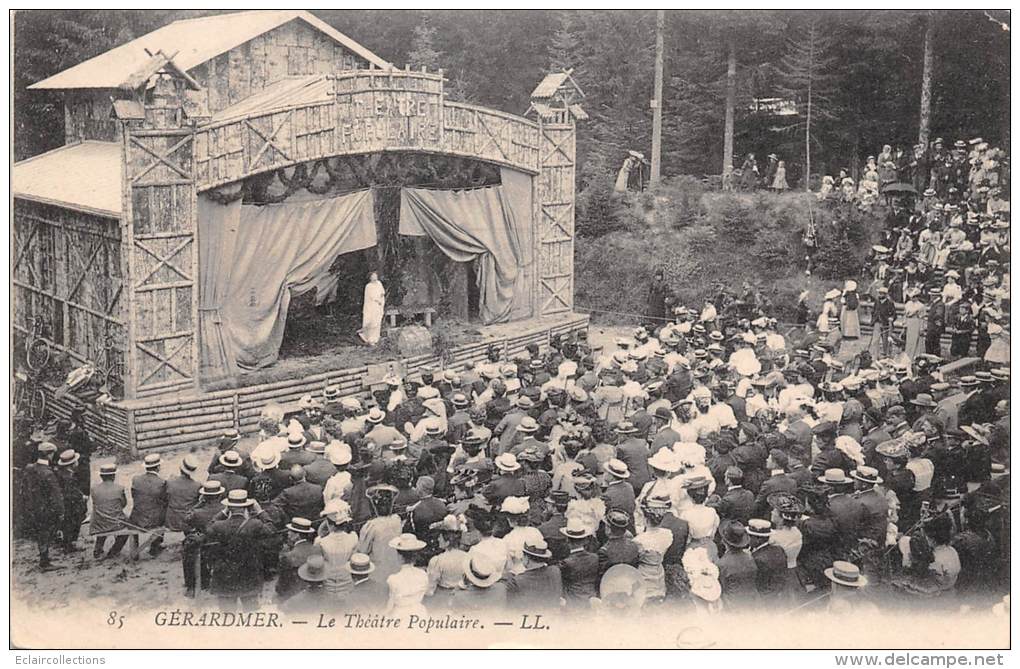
149, 500
829, 457
550, 529
302, 499
736, 503
319, 470
875, 517
618, 493
270, 480
540, 586
196, 524
237, 569
300, 537
619, 547
770, 560
580, 569
633, 451
883, 316
75, 504
778, 481
738, 572
43, 501
936, 323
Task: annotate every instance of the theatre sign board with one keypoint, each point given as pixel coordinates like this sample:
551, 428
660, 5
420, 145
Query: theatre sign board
389, 111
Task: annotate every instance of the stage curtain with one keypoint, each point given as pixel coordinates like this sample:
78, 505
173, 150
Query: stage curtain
480, 223
252, 259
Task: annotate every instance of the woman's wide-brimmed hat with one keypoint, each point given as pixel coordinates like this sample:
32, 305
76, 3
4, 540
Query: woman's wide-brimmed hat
406, 542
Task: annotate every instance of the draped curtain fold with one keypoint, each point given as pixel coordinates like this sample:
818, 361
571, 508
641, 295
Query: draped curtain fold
480, 224
252, 259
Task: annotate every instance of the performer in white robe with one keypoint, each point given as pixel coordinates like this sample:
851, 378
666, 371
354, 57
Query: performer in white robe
375, 307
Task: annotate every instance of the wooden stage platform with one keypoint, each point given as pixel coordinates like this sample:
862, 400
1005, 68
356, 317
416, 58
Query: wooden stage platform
190, 418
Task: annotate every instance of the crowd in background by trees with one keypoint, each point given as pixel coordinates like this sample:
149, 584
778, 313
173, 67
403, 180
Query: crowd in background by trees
860, 72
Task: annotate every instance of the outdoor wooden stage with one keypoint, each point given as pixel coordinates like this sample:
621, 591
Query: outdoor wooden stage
191, 418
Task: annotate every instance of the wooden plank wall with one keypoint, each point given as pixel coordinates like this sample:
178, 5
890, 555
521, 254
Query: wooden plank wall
184, 421
159, 237
67, 270
554, 219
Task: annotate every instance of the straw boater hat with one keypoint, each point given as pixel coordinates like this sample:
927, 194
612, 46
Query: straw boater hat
296, 441
230, 459
834, 476
617, 468
575, 529
846, 573
267, 461
107, 469
759, 527
212, 487
507, 462
151, 461
68, 457
626, 427
537, 548
238, 499
360, 565
331, 393
866, 475
481, 572
376, 415
301, 526
189, 465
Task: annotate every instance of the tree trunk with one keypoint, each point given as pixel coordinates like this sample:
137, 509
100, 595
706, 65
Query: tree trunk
731, 99
807, 125
926, 77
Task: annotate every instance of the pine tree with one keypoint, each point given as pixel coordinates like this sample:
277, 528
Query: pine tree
423, 50
804, 77
563, 44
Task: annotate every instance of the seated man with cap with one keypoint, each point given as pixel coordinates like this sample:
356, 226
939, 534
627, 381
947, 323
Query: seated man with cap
230, 474
182, 494
149, 500
108, 504
269, 480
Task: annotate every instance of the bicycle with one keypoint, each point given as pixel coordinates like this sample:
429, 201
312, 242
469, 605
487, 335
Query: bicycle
28, 396
37, 348
99, 382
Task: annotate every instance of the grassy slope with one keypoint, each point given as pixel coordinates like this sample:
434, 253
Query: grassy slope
728, 238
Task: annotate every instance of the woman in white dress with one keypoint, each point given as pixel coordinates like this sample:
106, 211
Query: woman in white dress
409, 585
913, 322
337, 541
372, 313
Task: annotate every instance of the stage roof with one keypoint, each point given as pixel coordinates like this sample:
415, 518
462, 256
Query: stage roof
292, 91
84, 176
194, 41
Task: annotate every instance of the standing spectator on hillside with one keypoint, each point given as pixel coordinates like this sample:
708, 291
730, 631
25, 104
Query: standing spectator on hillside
770, 170
749, 173
779, 181
658, 294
